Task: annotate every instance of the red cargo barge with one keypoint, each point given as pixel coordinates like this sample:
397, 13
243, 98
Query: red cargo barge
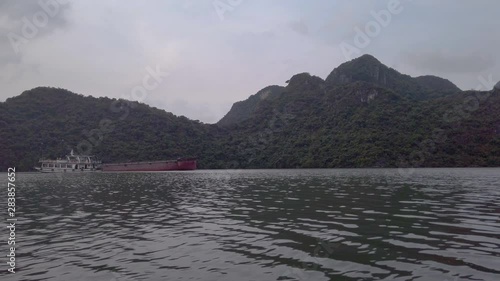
165, 165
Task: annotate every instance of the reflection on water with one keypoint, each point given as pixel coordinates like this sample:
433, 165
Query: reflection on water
437, 224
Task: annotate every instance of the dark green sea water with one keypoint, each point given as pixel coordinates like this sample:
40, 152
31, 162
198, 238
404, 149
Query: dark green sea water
359, 224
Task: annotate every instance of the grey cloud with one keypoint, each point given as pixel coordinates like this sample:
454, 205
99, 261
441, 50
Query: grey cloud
230, 61
15, 9
449, 63
251, 42
15, 13
17, 73
300, 27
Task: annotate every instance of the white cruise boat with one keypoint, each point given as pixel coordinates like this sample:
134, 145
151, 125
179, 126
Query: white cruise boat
71, 163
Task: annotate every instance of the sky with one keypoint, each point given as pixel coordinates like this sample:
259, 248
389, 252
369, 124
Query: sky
197, 57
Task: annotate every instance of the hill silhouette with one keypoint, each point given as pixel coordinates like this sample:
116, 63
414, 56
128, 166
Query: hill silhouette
364, 114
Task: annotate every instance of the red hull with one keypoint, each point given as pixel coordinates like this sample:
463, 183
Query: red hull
167, 165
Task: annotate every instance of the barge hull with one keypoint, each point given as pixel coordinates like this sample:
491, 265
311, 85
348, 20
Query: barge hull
154, 166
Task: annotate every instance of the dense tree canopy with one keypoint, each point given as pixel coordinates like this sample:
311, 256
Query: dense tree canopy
363, 115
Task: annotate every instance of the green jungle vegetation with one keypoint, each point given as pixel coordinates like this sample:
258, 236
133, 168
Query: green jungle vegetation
364, 114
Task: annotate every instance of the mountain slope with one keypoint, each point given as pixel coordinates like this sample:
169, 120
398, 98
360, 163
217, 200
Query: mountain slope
242, 110
364, 125
368, 69
310, 123
434, 83
367, 115
49, 122
363, 69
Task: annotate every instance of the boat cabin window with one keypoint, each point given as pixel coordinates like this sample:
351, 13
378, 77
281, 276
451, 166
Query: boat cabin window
44, 165
69, 166
51, 165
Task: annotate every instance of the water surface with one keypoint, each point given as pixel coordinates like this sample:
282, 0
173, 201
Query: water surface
359, 224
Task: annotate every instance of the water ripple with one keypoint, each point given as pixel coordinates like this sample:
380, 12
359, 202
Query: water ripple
438, 224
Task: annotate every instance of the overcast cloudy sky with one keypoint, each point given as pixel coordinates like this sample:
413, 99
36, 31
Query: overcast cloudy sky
219, 52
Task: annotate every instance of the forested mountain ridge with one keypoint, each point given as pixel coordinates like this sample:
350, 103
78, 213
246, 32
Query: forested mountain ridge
434, 84
243, 110
359, 121
368, 69
363, 69
364, 125
49, 122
